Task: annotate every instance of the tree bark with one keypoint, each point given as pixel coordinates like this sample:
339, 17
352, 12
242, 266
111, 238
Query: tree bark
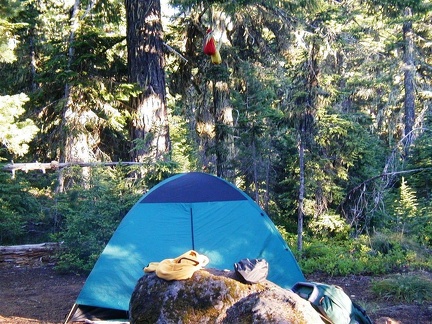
149, 129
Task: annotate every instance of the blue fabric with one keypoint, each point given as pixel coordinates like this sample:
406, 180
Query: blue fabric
226, 231
193, 187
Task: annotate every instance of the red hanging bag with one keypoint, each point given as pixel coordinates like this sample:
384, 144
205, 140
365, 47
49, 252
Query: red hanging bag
209, 44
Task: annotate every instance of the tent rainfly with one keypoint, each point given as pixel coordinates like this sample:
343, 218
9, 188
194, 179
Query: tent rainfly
190, 211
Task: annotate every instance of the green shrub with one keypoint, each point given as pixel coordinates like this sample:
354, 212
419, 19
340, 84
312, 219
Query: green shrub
21, 218
356, 256
90, 216
11, 225
422, 227
405, 288
329, 225
331, 256
381, 243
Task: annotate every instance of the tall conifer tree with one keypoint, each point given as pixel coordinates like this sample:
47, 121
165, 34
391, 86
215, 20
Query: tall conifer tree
149, 129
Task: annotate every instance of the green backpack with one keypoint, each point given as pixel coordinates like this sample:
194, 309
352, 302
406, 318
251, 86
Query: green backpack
335, 306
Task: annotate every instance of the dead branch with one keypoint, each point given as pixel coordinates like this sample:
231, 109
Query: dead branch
383, 175
172, 50
362, 186
54, 165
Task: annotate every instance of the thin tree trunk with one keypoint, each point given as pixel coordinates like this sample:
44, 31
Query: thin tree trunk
71, 47
300, 213
149, 131
222, 118
305, 132
409, 71
68, 149
267, 186
34, 85
255, 170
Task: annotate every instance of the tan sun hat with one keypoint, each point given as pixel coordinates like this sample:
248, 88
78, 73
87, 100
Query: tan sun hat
180, 268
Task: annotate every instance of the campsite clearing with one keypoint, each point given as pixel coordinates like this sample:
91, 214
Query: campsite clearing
36, 294
41, 295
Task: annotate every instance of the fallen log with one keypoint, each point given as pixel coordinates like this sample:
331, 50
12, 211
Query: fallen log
54, 165
29, 254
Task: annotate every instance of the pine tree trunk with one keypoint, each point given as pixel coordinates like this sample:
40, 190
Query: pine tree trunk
78, 143
306, 132
300, 214
149, 129
255, 169
69, 116
33, 63
409, 71
222, 118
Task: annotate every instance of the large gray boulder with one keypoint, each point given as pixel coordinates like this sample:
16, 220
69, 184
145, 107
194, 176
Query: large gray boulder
216, 296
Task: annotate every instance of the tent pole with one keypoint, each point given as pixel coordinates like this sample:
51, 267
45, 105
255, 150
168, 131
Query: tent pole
192, 229
71, 313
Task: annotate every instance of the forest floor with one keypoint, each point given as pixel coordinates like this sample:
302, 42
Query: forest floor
41, 295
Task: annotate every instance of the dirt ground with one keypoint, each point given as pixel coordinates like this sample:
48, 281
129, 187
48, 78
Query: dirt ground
40, 295
381, 311
36, 294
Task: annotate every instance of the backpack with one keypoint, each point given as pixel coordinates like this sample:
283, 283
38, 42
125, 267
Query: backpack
252, 270
335, 306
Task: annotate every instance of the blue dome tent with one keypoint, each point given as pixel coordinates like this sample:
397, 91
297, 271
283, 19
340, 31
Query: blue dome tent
190, 211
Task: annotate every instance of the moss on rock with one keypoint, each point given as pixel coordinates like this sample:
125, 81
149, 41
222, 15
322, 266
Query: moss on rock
216, 296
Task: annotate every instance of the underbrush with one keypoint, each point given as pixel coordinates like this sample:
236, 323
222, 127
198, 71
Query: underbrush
365, 255
405, 288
